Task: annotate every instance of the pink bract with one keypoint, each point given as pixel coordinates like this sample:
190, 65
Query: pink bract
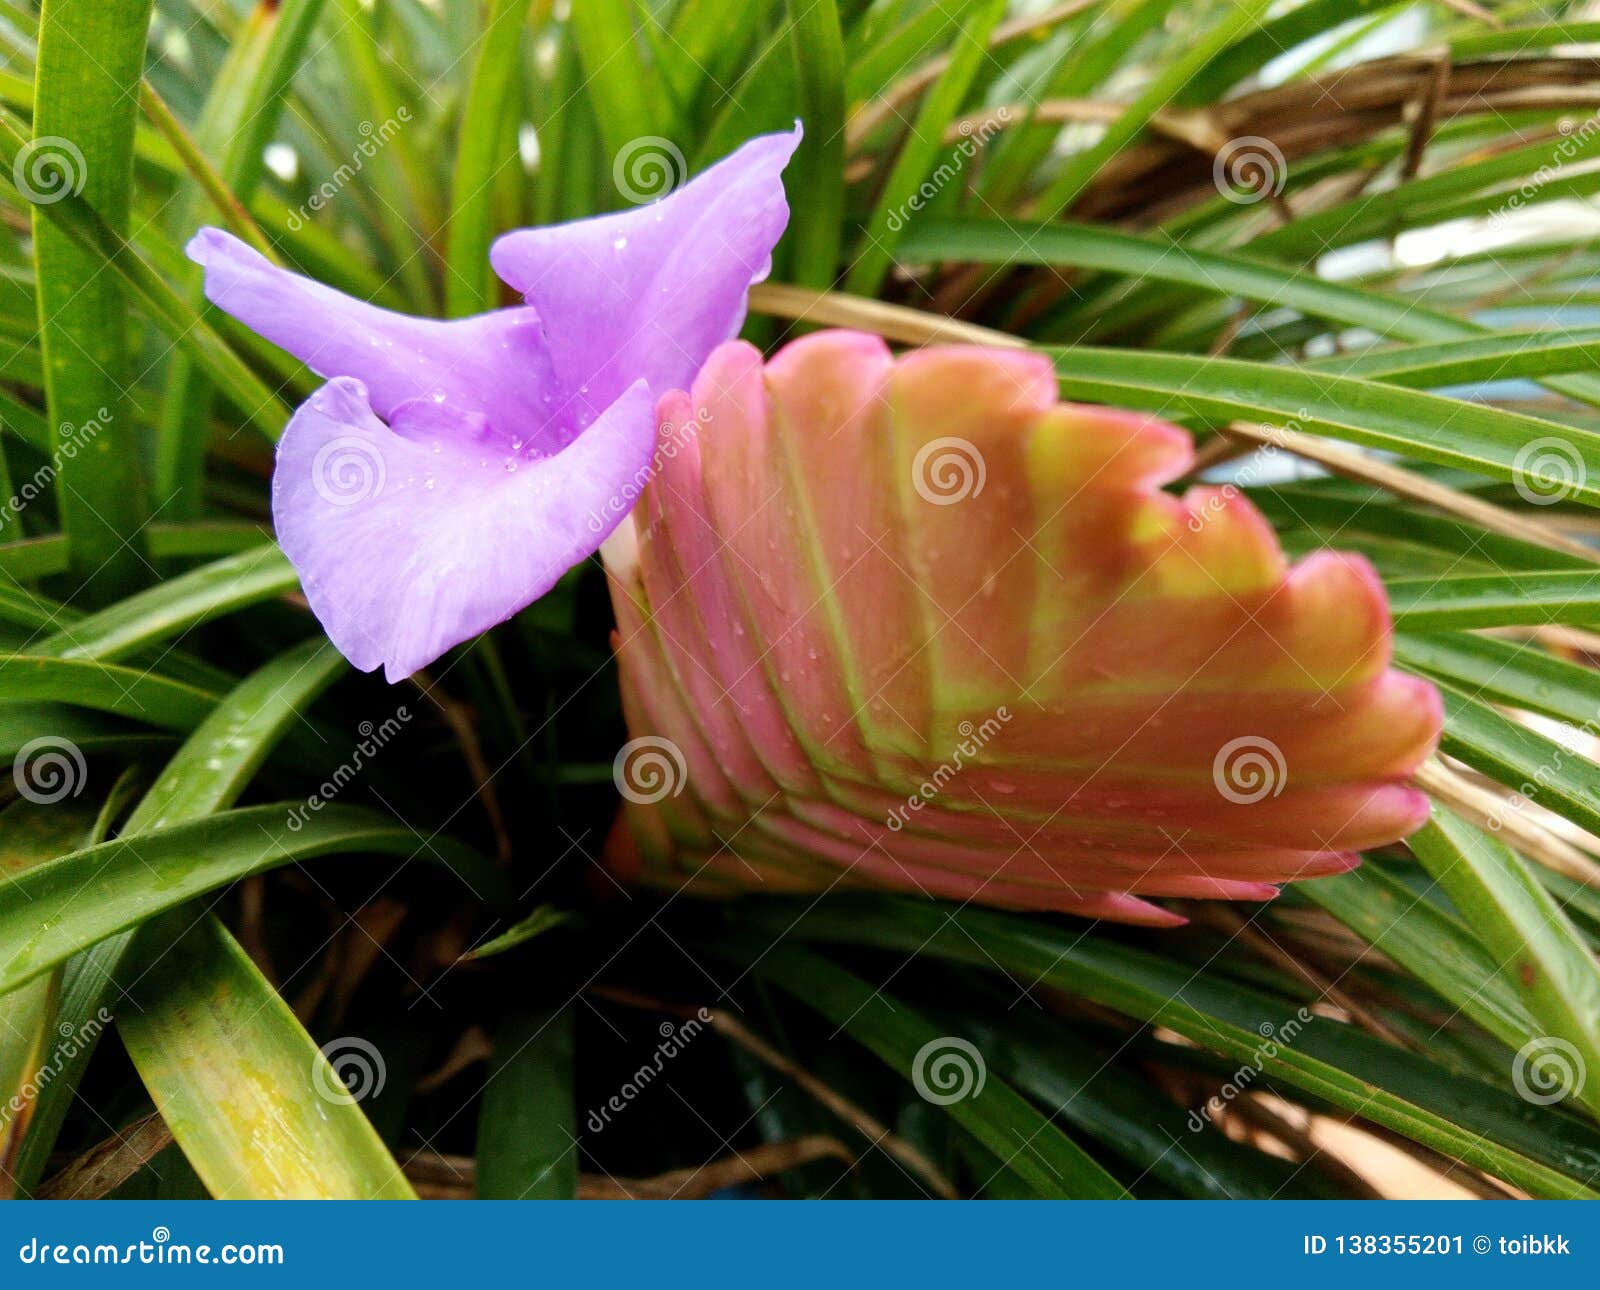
911, 623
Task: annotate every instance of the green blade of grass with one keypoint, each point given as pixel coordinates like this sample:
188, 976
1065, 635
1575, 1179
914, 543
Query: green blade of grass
815, 179
1530, 942
150, 616
90, 63
124, 691
90, 231
259, 1110
1429, 943
46, 915
1005, 1122
30, 833
1425, 427
923, 144
528, 1125
630, 103
1495, 600
1410, 1095
1507, 672
1529, 763
1170, 78
483, 147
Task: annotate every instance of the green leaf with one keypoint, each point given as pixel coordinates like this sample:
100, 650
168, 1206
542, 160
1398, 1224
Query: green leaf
1495, 600
109, 248
248, 578
31, 833
815, 178
487, 143
239, 119
619, 79
1431, 944
1425, 427
1529, 763
923, 146
91, 56
527, 1124
1505, 672
124, 691
540, 921
207, 773
1336, 1063
1171, 75
1529, 940
1005, 1122
54, 910
1079, 1084
259, 1111
1087, 246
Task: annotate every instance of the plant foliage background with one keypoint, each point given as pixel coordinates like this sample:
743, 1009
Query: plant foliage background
273, 928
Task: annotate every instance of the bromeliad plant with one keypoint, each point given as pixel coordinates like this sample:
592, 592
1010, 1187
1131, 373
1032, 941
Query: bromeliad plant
941, 669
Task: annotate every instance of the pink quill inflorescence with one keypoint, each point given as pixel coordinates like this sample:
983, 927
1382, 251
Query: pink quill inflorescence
914, 624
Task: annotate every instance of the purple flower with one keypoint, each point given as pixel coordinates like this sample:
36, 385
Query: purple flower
450, 472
